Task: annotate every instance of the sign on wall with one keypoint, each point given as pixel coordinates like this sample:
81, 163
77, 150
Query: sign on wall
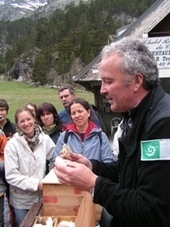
160, 48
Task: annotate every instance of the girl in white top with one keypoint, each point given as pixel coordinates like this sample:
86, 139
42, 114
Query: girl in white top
25, 162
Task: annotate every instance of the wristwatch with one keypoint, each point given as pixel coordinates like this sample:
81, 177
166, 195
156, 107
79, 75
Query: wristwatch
92, 192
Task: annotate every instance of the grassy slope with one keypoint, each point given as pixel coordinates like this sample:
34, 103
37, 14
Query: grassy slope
18, 94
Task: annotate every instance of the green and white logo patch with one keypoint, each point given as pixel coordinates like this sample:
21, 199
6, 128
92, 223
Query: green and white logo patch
155, 150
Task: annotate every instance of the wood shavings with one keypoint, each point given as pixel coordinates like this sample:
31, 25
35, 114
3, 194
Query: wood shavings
66, 151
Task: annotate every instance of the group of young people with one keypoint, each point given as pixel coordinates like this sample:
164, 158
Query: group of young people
36, 139
134, 189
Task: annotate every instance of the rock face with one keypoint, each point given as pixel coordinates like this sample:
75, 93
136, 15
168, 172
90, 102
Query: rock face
16, 9
21, 70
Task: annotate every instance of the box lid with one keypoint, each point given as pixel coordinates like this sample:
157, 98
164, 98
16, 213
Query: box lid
51, 178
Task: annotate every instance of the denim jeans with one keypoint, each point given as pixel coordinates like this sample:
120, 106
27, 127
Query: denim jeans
20, 215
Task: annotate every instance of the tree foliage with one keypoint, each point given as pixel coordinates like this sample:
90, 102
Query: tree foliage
40, 69
77, 32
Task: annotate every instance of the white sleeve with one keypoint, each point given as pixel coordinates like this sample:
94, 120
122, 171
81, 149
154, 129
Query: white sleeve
117, 135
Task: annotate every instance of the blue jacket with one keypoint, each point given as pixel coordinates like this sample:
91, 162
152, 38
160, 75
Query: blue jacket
65, 117
91, 147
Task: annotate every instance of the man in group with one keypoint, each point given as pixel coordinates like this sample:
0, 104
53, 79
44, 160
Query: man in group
135, 189
8, 127
67, 94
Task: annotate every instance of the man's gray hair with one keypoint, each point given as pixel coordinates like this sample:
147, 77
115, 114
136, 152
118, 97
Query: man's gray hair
136, 58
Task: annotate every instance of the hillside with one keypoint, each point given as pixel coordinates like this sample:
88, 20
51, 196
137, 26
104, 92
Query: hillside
52, 50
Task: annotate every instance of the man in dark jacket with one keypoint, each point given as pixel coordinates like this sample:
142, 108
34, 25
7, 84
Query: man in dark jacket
8, 127
135, 190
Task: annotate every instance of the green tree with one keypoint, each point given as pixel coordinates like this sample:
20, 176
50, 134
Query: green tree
40, 69
10, 56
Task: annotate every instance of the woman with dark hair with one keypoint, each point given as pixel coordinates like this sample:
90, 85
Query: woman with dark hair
83, 136
49, 120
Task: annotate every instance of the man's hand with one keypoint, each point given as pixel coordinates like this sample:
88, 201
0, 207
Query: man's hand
76, 175
78, 158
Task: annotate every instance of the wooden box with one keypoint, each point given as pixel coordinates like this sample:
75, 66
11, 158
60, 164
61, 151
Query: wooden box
85, 215
64, 200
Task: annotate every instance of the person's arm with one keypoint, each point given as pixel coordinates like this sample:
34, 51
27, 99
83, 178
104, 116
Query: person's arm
3, 141
78, 171
107, 170
147, 203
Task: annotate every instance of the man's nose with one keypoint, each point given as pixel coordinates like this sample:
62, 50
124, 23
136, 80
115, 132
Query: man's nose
64, 98
102, 89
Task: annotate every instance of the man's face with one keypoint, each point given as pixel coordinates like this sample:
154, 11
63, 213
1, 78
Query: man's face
66, 97
119, 93
3, 114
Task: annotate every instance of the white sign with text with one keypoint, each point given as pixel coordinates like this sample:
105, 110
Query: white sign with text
160, 48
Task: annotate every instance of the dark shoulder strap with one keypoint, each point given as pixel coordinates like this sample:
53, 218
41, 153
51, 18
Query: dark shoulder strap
100, 136
66, 136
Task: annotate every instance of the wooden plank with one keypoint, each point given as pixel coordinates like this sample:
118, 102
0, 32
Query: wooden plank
86, 212
32, 213
60, 189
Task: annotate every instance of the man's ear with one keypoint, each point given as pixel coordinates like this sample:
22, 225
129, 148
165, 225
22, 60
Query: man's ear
138, 81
